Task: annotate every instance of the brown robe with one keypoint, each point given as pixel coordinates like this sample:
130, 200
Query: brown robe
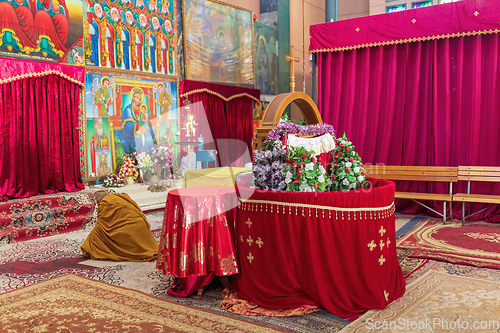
121, 233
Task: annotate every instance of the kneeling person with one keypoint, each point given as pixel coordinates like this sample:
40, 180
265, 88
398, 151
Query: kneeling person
121, 233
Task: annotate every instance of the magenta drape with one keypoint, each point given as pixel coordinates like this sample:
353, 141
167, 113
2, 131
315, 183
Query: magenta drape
230, 119
39, 137
421, 103
434, 22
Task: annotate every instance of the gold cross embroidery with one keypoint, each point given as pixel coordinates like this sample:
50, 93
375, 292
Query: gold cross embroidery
388, 242
413, 21
381, 245
241, 238
381, 260
372, 245
249, 240
382, 231
250, 257
386, 295
476, 13
357, 29
249, 223
259, 242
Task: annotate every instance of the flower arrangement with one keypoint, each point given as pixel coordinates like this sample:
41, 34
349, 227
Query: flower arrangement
160, 162
128, 169
269, 168
284, 127
113, 181
347, 172
303, 173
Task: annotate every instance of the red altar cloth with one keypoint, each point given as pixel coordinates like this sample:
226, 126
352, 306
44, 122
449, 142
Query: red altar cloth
336, 250
197, 236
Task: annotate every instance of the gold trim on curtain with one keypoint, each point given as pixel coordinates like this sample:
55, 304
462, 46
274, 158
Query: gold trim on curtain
39, 74
205, 90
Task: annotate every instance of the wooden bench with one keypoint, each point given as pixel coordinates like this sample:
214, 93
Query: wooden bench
477, 174
417, 173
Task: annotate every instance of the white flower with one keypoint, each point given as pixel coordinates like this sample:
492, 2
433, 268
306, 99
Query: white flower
356, 170
348, 164
288, 175
268, 154
288, 180
322, 169
352, 186
345, 181
321, 179
361, 178
309, 166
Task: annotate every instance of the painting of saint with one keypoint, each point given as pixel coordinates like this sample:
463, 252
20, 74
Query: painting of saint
47, 29
131, 34
219, 43
126, 115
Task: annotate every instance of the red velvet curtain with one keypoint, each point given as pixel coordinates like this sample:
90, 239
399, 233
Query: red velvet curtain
422, 103
39, 137
230, 118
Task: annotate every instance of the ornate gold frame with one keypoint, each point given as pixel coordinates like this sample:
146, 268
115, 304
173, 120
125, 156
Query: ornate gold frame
185, 39
83, 103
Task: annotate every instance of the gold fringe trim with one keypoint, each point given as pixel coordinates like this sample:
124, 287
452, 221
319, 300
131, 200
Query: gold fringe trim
39, 74
197, 91
308, 210
409, 40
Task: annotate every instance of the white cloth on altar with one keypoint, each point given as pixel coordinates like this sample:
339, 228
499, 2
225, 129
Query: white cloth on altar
320, 144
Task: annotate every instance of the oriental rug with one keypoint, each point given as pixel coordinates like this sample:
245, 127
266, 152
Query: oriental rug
37, 260
45, 215
452, 269
76, 304
476, 244
438, 302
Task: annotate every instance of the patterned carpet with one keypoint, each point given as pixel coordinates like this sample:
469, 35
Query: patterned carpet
438, 302
476, 244
74, 304
30, 262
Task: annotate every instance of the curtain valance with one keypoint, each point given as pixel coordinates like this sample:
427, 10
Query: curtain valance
222, 91
17, 69
462, 18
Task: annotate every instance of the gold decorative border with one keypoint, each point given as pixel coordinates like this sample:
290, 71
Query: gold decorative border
44, 73
205, 90
409, 40
355, 213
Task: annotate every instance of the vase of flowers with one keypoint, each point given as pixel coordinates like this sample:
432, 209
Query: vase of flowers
128, 170
303, 173
113, 181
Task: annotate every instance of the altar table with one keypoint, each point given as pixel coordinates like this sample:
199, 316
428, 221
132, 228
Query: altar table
197, 237
336, 250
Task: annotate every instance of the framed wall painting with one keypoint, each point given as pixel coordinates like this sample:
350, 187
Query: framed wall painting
139, 35
42, 30
218, 42
265, 58
126, 113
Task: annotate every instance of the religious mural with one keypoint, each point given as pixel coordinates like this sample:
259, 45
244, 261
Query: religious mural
49, 30
126, 114
265, 58
138, 35
218, 43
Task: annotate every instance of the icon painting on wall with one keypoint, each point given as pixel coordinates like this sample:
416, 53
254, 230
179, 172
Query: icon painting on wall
138, 35
126, 115
47, 30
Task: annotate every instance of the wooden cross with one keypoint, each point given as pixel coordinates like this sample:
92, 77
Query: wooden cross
292, 59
